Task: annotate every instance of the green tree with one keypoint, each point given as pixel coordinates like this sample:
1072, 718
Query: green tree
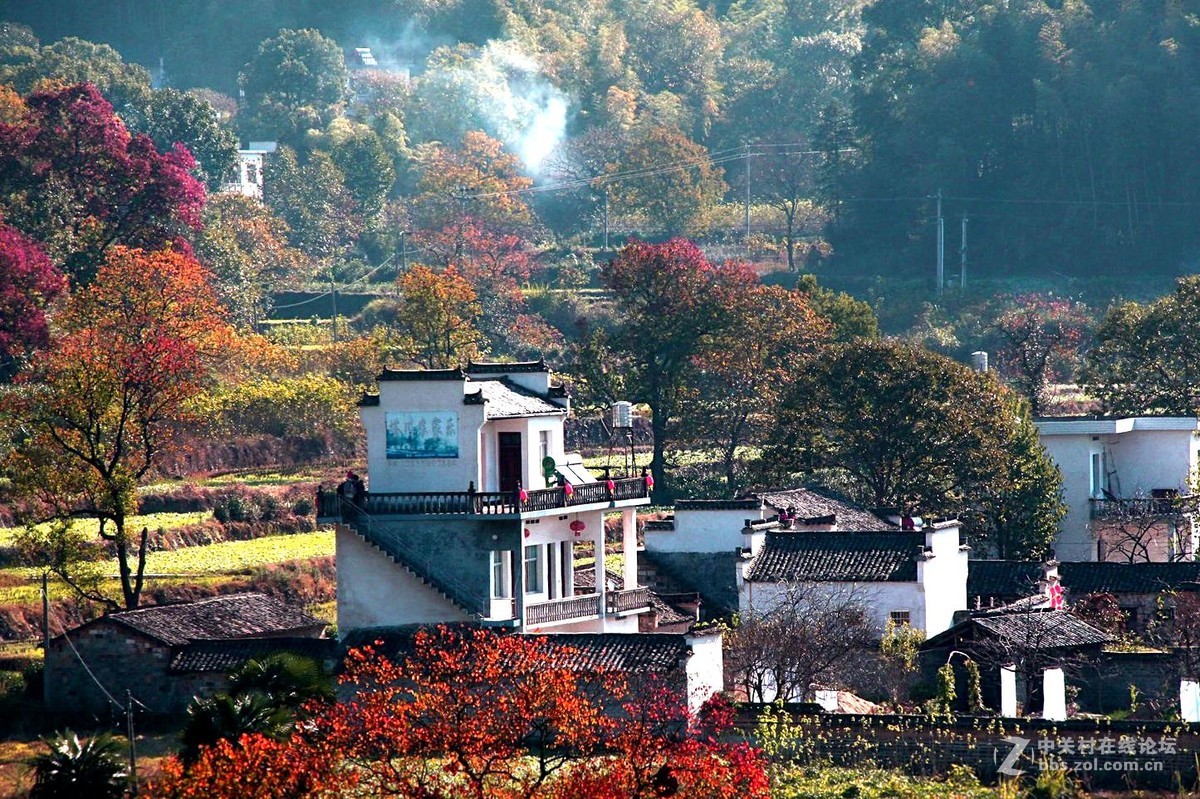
246, 248
903, 427
181, 117
73, 60
851, 318
310, 195
741, 369
1146, 357
671, 200
295, 82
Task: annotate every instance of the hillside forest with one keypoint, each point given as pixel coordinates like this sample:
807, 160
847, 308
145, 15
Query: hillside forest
663, 201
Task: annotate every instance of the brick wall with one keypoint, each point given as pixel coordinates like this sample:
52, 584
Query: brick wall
119, 661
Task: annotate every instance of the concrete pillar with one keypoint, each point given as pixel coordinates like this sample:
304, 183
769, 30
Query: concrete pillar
1189, 699
601, 587
1054, 695
1008, 691
629, 545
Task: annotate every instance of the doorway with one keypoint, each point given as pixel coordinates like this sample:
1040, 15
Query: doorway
510, 460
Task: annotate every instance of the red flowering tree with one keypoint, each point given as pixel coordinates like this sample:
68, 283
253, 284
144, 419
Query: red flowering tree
468, 712
100, 408
74, 179
1042, 336
28, 284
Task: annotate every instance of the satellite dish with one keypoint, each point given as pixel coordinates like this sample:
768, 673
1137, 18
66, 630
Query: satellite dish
549, 467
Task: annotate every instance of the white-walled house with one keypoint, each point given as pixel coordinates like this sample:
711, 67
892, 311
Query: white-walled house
742, 557
1121, 481
474, 514
908, 576
462, 522
247, 176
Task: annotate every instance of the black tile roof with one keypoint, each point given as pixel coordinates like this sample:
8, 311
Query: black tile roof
805, 503
515, 367
506, 400
838, 557
1002, 578
223, 617
1125, 578
225, 656
751, 503
641, 653
1036, 630
421, 374
1042, 629
632, 653
1012, 578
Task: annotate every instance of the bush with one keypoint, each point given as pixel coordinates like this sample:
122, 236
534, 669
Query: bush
75, 769
303, 506
236, 508
293, 406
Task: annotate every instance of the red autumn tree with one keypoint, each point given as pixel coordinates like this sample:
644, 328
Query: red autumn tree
101, 406
28, 284
669, 300
75, 180
1042, 336
468, 712
256, 767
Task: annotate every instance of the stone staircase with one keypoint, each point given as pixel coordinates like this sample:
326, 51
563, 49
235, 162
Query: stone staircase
444, 591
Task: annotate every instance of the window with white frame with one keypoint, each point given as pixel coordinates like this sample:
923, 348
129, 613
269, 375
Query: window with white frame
543, 444
1097, 474
533, 569
900, 618
501, 584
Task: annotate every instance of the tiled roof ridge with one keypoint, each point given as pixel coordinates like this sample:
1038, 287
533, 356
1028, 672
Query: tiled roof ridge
498, 367
454, 373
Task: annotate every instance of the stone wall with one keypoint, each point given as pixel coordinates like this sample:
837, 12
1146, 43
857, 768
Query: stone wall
1099, 753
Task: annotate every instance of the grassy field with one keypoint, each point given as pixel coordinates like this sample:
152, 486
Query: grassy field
191, 564
154, 521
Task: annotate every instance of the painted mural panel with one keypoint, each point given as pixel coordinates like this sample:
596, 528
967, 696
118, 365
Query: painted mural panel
426, 434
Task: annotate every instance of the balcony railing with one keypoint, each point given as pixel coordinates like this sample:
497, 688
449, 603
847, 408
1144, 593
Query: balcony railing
576, 607
629, 600
1114, 508
482, 503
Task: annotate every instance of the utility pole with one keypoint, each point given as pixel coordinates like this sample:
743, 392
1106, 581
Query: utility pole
941, 245
333, 300
403, 253
962, 269
45, 613
133, 775
746, 157
606, 220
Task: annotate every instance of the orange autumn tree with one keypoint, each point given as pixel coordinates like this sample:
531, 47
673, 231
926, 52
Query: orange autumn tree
439, 317
97, 411
470, 713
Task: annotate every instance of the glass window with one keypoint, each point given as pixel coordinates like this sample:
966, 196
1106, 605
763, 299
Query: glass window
900, 618
533, 569
544, 444
500, 581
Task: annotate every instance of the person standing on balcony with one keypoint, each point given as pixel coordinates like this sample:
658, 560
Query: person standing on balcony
359, 494
345, 492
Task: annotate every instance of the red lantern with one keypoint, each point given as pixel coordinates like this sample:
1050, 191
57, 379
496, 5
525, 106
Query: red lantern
568, 489
527, 532
578, 526
523, 495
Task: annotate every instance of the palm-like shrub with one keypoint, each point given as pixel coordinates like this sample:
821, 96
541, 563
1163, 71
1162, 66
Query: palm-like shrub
75, 769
